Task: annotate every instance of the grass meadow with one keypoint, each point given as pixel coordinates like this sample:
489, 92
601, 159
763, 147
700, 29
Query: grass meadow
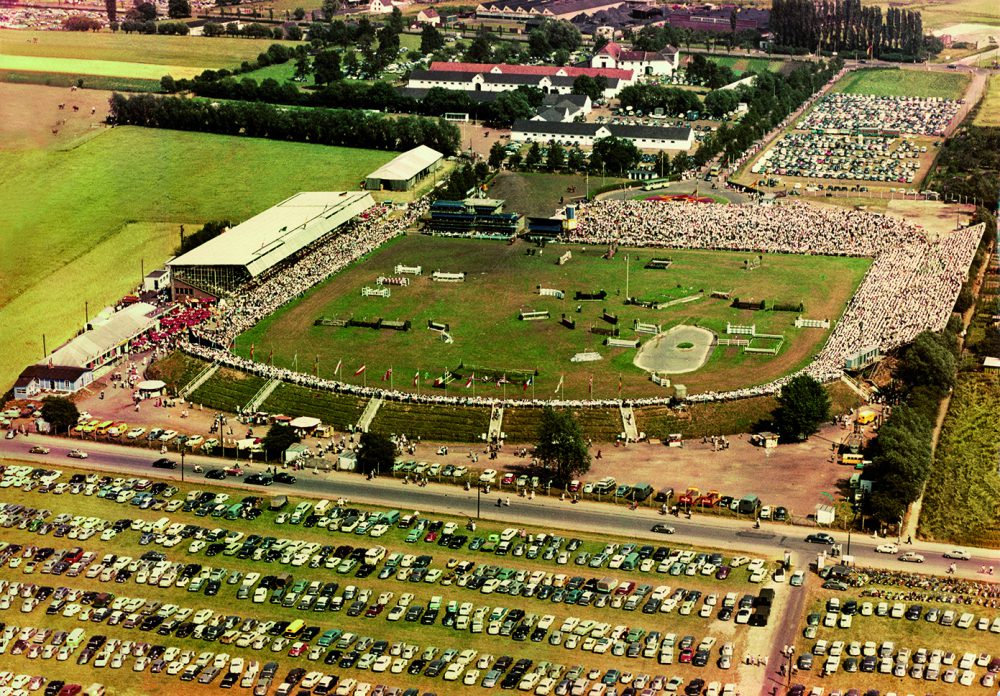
900, 83
106, 68
989, 109
502, 281
84, 217
960, 503
743, 65
187, 51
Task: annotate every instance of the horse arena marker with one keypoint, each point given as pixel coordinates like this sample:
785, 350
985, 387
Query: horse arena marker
586, 357
565, 258
742, 329
812, 323
533, 315
661, 381
392, 280
442, 277
375, 292
622, 342
551, 292
408, 270
641, 327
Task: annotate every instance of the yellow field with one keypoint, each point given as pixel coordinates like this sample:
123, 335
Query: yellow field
989, 110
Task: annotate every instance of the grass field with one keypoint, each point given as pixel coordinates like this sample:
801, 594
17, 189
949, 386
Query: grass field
95, 210
186, 51
960, 503
540, 194
742, 65
126, 682
107, 68
897, 83
943, 13
502, 280
989, 109
99, 82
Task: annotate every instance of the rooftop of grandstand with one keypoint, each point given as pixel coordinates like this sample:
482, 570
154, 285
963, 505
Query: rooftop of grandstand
273, 235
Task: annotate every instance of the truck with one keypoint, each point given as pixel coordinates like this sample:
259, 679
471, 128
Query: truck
605, 486
710, 499
689, 496
749, 504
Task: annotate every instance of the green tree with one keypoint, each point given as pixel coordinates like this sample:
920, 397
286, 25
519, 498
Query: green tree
178, 9
396, 22
279, 438
376, 454
561, 448
60, 413
430, 40
508, 107
576, 161
302, 66
481, 48
326, 67
802, 406
721, 102
557, 158
534, 157
929, 361
617, 155
143, 12
330, 8
497, 154
592, 87
299, 14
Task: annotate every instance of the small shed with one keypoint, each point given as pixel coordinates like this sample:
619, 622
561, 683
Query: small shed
305, 423
991, 363
404, 171
151, 388
767, 440
825, 514
294, 451
348, 461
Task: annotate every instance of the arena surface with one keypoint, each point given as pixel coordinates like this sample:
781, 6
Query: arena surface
662, 353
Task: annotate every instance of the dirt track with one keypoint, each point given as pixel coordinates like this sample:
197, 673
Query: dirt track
30, 117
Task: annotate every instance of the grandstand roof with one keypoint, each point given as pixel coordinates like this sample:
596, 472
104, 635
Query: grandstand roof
273, 235
407, 165
122, 326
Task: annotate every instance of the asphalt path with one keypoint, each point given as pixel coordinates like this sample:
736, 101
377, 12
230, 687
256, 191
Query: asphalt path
771, 540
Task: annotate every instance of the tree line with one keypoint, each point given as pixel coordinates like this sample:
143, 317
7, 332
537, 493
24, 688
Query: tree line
342, 127
846, 27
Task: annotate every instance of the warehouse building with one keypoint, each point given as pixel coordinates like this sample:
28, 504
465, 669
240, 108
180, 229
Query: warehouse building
402, 173
220, 265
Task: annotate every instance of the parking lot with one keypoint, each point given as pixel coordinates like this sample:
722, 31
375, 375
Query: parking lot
211, 586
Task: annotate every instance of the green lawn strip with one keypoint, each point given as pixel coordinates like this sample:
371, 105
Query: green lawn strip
436, 423
542, 194
189, 51
960, 502
227, 390
101, 82
108, 68
899, 83
176, 369
338, 410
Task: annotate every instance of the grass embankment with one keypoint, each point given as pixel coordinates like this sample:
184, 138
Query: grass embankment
904, 83
989, 109
98, 209
960, 503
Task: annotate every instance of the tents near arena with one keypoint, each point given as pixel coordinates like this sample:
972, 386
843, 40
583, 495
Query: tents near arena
404, 171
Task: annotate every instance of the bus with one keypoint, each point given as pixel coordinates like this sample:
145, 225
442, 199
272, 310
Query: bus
851, 459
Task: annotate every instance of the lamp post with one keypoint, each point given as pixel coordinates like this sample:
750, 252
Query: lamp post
182, 463
479, 497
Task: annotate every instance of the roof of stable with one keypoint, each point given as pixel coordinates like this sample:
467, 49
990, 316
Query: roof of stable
407, 165
119, 328
278, 232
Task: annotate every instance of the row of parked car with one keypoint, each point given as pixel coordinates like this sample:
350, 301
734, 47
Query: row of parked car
840, 614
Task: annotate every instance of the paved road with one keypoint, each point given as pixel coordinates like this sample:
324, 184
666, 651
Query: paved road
771, 540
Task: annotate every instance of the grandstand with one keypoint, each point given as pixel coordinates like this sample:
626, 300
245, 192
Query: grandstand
222, 264
473, 217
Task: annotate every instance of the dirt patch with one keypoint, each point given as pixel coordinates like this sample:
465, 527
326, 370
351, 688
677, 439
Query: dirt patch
681, 349
30, 117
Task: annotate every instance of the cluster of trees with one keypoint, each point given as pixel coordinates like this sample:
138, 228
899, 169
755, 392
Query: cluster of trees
901, 455
847, 27
463, 179
803, 406
486, 47
178, 9
209, 230
653, 38
770, 100
60, 413
346, 128
562, 449
592, 87
81, 23
554, 37
377, 46
647, 97
721, 102
968, 166
254, 30
709, 73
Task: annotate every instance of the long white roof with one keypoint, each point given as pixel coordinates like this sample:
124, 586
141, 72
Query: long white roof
122, 326
278, 232
407, 165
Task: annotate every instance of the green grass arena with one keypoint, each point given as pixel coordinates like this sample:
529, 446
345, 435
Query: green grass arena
502, 280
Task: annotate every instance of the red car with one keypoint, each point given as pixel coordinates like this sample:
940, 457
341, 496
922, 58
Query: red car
374, 610
298, 649
431, 537
686, 655
507, 479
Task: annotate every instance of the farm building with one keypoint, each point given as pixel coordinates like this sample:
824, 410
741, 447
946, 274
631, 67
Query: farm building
524, 10
404, 171
218, 266
613, 55
586, 134
500, 77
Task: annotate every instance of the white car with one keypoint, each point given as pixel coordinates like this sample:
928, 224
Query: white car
958, 554
77, 454
912, 557
888, 547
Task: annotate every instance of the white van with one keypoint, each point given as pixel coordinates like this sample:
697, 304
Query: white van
321, 507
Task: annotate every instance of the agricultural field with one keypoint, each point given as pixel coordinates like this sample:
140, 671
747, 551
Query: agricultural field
878, 645
744, 65
363, 599
960, 502
182, 51
106, 68
989, 108
904, 83
937, 14
129, 190
502, 281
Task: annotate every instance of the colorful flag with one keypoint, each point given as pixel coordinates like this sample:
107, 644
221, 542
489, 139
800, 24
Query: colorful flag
472, 378
387, 375
416, 378
592, 385
559, 386
251, 352
527, 383
270, 356
360, 370
336, 370
619, 384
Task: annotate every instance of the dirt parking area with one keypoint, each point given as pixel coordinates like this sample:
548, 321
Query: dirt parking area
31, 117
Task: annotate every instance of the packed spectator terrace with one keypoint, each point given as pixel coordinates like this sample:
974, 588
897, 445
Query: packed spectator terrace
910, 287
